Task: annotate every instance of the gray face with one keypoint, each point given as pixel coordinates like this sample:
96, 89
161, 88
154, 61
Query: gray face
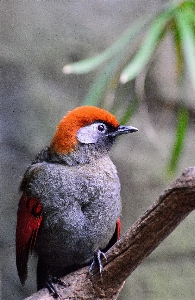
92, 133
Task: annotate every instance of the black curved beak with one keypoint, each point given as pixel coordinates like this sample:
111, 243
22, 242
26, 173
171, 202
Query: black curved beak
123, 130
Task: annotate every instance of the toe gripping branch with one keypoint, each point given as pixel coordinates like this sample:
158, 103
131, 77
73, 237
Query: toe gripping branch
97, 260
50, 286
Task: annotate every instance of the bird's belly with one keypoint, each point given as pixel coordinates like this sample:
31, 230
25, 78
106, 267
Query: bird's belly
70, 248
66, 248
80, 213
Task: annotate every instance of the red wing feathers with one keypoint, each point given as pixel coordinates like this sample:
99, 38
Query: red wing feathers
118, 229
115, 237
28, 224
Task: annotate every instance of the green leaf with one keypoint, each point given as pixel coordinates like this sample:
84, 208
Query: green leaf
178, 50
145, 52
87, 65
101, 84
182, 126
111, 70
129, 111
188, 42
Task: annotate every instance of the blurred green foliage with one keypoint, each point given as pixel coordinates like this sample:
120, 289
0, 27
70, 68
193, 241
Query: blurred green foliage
133, 51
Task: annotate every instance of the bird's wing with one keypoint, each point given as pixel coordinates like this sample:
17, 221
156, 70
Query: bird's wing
115, 237
28, 224
118, 230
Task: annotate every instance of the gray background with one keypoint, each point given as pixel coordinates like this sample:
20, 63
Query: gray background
37, 39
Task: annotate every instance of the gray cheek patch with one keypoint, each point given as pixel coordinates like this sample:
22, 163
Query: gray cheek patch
88, 134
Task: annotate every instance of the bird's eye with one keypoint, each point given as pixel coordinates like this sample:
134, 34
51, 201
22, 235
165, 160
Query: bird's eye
101, 127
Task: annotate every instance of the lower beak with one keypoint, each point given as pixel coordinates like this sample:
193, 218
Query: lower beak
123, 130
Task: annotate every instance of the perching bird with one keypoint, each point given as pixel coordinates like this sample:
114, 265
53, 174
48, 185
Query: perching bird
70, 207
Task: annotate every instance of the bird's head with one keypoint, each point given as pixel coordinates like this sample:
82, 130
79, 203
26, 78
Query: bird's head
87, 126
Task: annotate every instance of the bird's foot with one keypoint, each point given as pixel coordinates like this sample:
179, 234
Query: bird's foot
97, 260
49, 284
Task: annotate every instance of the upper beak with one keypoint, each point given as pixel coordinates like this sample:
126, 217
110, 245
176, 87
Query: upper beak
123, 130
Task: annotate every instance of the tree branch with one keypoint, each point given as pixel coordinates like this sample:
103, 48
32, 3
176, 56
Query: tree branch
161, 218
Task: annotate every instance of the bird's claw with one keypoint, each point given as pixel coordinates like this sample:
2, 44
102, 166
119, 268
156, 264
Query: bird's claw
49, 284
98, 254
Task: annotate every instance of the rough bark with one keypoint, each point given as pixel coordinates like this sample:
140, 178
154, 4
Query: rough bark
160, 219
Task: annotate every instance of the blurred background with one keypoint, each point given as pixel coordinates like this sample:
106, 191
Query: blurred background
37, 39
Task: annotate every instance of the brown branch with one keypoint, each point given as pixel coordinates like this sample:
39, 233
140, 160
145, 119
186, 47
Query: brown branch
161, 218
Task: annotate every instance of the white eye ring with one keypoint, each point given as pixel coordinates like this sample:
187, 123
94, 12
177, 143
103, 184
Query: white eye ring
91, 133
101, 128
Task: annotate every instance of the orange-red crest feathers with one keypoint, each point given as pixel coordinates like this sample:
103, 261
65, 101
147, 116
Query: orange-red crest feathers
64, 140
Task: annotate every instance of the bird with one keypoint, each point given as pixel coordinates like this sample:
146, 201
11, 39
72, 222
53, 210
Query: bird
70, 207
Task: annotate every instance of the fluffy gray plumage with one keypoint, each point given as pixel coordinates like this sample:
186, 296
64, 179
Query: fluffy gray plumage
71, 202
71, 197
81, 203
